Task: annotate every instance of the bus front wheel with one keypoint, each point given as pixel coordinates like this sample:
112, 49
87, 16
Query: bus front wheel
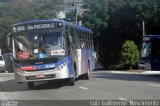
86, 75
30, 85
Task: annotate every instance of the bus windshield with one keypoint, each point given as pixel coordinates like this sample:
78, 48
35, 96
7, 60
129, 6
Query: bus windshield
146, 51
29, 45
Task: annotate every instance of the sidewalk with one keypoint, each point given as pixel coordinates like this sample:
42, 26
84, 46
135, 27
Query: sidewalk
140, 72
6, 74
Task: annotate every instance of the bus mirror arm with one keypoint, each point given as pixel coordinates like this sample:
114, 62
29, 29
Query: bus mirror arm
9, 41
70, 39
70, 48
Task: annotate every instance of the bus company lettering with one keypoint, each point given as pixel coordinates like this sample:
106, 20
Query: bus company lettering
21, 28
42, 26
50, 66
37, 26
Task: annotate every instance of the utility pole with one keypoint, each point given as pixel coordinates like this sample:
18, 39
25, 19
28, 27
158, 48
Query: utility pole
143, 24
76, 7
76, 13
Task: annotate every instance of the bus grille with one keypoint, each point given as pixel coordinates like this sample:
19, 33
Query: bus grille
34, 77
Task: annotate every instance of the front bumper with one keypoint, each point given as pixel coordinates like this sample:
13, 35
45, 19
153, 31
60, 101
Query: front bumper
141, 66
51, 74
146, 66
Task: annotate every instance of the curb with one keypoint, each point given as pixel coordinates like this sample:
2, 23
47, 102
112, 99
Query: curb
6, 74
133, 73
109, 72
151, 73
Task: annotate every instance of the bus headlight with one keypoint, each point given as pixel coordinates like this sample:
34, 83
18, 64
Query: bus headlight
20, 71
61, 66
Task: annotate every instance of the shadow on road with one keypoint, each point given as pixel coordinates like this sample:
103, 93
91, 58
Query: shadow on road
12, 85
127, 77
55, 84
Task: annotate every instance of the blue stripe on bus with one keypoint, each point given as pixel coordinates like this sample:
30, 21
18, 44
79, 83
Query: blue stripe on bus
85, 59
52, 65
70, 67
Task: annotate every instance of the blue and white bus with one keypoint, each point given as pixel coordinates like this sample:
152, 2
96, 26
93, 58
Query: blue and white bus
150, 55
51, 49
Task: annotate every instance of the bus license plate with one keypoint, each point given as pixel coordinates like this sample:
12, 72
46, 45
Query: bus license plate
40, 76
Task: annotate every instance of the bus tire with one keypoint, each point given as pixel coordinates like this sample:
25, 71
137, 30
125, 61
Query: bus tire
72, 81
30, 85
86, 75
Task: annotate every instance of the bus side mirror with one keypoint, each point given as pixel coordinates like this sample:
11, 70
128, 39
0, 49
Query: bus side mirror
9, 40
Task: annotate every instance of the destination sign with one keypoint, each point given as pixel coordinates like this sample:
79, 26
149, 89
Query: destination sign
37, 26
145, 38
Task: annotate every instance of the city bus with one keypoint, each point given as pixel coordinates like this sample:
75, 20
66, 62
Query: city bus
150, 55
50, 50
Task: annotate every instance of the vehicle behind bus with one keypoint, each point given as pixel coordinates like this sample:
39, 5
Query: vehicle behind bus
2, 64
50, 50
150, 55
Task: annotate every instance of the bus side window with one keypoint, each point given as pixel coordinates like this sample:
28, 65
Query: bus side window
92, 45
85, 39
89, 43
76, 38
90, 40
73, 37
83, 43
87, 35
79, 39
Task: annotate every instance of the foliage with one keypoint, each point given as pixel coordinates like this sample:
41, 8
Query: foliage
123, 21
129, 54
96, 18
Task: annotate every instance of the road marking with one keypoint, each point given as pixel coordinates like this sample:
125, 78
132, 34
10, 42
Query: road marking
84, 88
122, 99
4, 96
101, 75
154, 85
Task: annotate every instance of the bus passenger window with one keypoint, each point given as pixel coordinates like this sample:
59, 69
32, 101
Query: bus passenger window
83, 45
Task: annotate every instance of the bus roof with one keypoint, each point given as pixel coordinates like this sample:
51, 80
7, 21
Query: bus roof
152, 36
65, 23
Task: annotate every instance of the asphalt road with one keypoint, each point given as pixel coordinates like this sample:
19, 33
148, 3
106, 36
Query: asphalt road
101, 86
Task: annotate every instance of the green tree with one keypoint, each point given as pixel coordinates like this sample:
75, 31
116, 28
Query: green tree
14, 11
96, 18
129, 54
125, 23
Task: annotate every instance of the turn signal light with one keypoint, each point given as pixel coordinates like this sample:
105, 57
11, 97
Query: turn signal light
27, 68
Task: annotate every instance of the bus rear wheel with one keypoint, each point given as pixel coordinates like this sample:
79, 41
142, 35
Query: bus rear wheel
86, 75
30, 85
72, 81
